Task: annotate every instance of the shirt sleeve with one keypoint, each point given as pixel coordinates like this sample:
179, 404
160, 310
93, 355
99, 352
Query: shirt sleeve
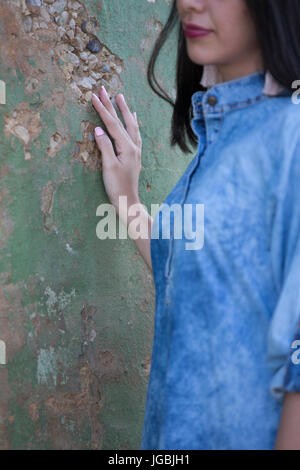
284, 331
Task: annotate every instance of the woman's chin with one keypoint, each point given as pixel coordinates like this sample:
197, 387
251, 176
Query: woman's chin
199, 56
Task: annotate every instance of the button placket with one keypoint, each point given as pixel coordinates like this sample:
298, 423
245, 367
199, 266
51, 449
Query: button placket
213, 127
181, 202
200, 128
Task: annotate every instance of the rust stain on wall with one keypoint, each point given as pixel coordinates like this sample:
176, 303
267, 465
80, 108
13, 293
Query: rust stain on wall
25, 124
85, 150
12, 321
83, 397
56, 144
47, 198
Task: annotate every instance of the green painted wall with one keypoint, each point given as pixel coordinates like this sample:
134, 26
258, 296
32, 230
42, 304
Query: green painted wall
76, 312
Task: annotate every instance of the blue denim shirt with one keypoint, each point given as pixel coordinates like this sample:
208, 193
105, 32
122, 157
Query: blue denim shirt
227, 314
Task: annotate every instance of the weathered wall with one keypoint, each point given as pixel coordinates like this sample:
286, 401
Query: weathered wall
76, 312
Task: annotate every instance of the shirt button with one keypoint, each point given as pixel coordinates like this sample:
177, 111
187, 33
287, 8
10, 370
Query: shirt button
212, 100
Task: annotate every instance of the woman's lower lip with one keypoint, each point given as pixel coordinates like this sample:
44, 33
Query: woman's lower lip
195, 34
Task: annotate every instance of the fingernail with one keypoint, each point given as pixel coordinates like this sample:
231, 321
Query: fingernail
135, 115
99, 131
95, 96
103, 88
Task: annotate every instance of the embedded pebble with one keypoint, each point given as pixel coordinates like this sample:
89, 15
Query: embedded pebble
79, 44
35, 24
70, 34
88, 26
61, 32
27, 23
34, 6
94, 45
95, 75
105, 68
92, 58
74, 5
87, 82
73, 58
88, 96
45, 14
59, 5
64, 18
33, 3
84, 56
76, 90
93, 62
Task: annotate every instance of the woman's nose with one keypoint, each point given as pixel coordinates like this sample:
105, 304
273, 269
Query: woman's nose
187, 5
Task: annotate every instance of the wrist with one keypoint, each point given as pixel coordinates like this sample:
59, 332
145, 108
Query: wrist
125, 201
124, 204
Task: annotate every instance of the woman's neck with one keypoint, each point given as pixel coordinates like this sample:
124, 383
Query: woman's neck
228, 72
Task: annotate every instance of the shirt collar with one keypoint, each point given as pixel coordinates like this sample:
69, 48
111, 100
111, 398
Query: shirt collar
211, 76
236, 93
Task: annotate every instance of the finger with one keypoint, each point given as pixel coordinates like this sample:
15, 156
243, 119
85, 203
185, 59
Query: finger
106, 148
137, 136
113, 125
127, 116
106, 101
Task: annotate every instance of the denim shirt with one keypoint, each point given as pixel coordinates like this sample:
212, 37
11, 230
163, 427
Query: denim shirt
227, 314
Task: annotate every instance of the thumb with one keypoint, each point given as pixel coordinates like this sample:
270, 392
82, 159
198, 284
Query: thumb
105, 146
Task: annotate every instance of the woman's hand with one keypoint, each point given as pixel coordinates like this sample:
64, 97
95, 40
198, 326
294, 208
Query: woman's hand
288, 435
120, 171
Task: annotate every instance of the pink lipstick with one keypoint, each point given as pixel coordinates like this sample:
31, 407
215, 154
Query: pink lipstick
192, 30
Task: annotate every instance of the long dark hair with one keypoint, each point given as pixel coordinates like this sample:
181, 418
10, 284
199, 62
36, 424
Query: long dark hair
278, 30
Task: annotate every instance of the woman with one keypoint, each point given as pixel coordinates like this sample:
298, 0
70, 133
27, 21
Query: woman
225, 370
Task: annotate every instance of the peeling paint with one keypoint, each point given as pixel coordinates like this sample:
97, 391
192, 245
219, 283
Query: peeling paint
85, 150
47, 367
56, 144
58, 302
24, 123
47, 198
69, 249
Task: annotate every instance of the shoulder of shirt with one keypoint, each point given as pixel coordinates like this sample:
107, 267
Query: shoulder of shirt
289, 130
291, 116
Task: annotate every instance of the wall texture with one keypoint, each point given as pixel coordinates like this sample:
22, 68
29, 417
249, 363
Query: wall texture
76, 312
